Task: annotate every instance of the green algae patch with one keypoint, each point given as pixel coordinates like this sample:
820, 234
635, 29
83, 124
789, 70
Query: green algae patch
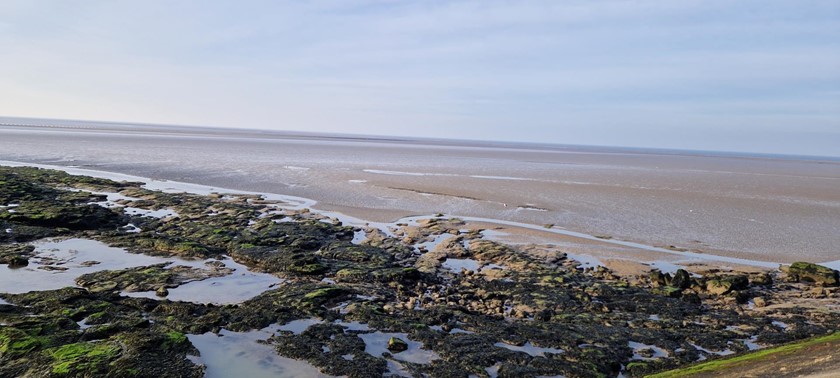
174, 339
324, 293
722, 365
15, 343
86, 358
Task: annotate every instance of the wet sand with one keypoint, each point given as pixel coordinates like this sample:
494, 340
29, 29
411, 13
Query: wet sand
752, 207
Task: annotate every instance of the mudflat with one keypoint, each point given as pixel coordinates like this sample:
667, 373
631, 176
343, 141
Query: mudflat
765, 208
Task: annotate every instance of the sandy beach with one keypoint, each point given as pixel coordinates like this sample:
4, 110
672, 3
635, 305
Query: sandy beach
761, 208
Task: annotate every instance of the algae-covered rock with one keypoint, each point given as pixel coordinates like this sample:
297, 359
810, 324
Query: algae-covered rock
809, 272
681, 279
726, 284
397, 345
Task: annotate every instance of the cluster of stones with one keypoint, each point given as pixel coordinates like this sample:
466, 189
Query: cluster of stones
581, 322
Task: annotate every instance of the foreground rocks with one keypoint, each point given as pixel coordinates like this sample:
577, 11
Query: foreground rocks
467, 305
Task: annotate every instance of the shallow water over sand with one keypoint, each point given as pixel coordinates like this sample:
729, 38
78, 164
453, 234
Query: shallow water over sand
240, 354
749, 207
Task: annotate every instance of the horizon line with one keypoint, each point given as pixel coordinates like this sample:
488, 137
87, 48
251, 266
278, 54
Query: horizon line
409, 139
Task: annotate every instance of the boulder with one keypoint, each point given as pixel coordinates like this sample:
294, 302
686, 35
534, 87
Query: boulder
727, 284
808, 272
681, 279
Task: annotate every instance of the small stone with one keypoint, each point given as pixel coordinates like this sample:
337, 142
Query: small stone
162, 292
759, 302
397, 345
18, 262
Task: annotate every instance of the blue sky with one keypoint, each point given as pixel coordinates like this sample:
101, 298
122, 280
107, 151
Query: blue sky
761, 76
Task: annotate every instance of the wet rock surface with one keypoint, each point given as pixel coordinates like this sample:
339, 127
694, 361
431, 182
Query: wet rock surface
423, 298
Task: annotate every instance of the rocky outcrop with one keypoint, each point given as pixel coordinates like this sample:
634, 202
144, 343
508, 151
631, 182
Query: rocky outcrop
809, 272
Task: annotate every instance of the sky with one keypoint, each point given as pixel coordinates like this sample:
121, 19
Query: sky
730, 75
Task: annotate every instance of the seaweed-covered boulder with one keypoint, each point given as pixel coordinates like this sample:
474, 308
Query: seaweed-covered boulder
809, 272
681, 279
727, 284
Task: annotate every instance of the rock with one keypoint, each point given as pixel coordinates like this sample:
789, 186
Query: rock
681, 279
646, 352
161, 292
808, 272
18, 262
818, 292
759, 302
724, 285
51, 268
763, 279
397, 345
656, 277
718, 287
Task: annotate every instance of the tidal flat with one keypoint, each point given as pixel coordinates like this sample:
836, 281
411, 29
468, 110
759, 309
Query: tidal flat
777, 209
316, 296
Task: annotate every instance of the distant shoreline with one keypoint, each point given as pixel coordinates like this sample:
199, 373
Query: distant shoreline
214, 131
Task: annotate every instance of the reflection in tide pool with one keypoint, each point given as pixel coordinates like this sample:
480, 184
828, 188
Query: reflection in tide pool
66, 260
237, 287
240, 354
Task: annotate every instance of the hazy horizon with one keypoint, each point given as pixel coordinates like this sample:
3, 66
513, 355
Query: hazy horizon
68, 123
739, 76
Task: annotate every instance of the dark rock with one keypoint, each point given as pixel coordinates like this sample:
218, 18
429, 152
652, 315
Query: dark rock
397, 345
681, 279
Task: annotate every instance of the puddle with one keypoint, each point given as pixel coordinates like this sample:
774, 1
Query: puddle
162, 213
530, 349
431, 245
831, 264
132, 229
2, 302
354, 326
376, 343
69, 254
396, 369
493, 371
781, 325
83, 325
239, 354
359, 237
299, 326
456, 265
237, 287
751, 344
459, 330
654, 317
585, 261
724, 352
638, 347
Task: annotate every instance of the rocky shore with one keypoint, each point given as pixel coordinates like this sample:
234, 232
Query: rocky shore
432, 297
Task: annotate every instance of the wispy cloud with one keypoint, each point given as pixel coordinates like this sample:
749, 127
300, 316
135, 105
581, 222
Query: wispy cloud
638, 72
